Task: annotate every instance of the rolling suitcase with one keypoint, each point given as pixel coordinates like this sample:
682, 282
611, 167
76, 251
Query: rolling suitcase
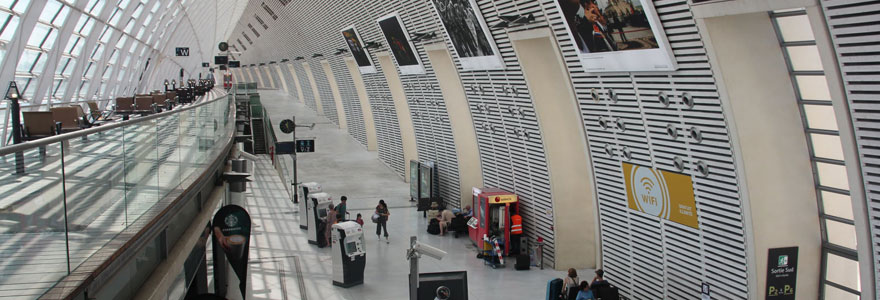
522, 262
554, 286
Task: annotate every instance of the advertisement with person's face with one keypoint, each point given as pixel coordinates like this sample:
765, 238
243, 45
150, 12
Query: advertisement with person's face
398, 41
470, 37
616, 35
356, 46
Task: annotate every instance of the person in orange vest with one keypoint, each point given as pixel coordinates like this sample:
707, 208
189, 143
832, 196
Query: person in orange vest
516, 224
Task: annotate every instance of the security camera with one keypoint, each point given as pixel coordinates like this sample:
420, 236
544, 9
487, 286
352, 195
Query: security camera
429, 251
442, 293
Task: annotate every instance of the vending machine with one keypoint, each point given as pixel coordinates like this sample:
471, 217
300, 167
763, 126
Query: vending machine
349, 253
304, 189
492, 210
318, 205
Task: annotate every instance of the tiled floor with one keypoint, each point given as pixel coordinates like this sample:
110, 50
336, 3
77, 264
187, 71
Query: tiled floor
344, 167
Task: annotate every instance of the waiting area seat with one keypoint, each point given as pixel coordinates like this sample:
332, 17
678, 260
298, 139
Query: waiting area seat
124, 105
70, 118
96, 115
143, 104
38, 124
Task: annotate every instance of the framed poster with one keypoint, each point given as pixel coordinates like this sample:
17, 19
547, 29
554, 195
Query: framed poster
402, 48
470, 36
617, 35
356, 46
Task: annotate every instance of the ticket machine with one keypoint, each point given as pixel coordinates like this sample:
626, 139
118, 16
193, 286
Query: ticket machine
304, 189
318, 205
492, 210
349, 254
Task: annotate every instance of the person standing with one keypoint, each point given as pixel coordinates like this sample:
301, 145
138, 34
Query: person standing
340, 209
382, 222
330, 220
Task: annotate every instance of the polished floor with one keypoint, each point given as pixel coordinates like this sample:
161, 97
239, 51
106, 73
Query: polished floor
283, 264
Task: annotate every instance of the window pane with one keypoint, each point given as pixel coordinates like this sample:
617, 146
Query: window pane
795, 28
96, 6
52, 7
827, 146
9, 30
87, 27
49, 43
39, 65
37, 35
114, 20
99, 49
837, 205
841, 234
832, 175
813, 87
842, 271
60, 86
832, 292
21, 6
28, 58
69, 69
821, 117
805, 58
62, 16
105, 36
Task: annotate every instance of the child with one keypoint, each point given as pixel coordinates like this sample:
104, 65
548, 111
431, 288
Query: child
360, 220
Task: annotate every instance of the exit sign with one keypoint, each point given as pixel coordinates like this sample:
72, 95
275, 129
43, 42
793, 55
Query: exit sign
181, 51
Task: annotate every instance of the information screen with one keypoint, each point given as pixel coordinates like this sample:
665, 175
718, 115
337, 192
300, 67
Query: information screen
351, 247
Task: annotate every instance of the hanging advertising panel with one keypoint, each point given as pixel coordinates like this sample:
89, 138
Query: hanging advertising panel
401, 47
356, 46
617, 35
662, 194
470, 36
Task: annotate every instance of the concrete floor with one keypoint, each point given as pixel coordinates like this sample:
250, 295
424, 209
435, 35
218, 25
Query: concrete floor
285, 266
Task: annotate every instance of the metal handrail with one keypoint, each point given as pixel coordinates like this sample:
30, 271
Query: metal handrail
79, 133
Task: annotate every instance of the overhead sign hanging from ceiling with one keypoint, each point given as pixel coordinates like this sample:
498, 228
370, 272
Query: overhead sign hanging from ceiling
181, 51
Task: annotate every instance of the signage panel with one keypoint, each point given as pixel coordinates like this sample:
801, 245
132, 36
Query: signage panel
664, 194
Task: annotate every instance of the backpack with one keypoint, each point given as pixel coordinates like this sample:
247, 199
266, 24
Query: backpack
434, 226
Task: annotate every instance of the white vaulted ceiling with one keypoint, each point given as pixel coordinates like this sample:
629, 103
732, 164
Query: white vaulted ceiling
70, 51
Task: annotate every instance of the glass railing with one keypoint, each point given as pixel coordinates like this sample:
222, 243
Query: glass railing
63, 198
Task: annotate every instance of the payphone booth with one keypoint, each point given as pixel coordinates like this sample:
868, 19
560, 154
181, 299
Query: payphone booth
492, 210
349, 253
304, 189
318, 206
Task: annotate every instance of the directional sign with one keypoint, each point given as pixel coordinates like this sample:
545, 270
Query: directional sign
287, 126
181, 51
206, 65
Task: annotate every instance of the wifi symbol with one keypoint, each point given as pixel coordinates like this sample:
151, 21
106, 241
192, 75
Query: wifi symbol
648, 184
